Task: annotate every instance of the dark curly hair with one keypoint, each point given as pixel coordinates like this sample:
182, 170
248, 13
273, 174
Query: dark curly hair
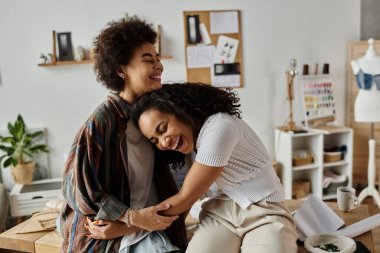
191, 103
115, 45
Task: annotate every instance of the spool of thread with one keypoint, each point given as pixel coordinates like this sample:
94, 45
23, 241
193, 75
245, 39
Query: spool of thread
305, 70
326, 69
316, 69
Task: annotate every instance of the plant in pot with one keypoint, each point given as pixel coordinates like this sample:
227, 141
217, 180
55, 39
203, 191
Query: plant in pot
19, 150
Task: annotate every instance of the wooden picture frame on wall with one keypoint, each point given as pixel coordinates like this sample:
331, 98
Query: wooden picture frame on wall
222, 71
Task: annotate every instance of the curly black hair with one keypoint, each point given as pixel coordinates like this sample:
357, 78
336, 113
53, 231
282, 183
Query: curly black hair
191, 103
115, 45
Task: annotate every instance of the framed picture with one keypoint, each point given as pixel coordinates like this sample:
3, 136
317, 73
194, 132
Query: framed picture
65, 47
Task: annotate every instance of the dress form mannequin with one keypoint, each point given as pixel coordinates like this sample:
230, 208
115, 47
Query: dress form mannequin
367, 109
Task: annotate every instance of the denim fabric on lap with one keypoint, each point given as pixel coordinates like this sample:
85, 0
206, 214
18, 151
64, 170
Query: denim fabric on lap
154, 242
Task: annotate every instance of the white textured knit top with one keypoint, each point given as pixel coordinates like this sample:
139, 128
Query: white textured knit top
248, 176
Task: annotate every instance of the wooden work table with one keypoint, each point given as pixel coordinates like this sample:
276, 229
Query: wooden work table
21, 242
50, 241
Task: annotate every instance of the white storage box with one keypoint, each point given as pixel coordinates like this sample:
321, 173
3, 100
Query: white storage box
30, 198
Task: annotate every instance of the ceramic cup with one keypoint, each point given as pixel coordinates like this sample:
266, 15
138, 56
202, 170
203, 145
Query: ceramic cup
346, 198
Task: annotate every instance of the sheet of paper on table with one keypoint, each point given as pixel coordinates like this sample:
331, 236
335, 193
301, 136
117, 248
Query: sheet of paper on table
360, 227
315, 217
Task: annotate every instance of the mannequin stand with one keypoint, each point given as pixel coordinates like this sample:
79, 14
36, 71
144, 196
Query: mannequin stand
370, 190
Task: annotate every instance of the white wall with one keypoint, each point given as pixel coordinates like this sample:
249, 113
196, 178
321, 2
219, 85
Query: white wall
60, 98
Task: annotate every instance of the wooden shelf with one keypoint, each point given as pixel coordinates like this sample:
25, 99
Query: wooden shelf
334, 164
311, 166
58, 63
64, 63
89, 61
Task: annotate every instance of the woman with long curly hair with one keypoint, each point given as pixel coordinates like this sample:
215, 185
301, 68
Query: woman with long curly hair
247, 214
112, 173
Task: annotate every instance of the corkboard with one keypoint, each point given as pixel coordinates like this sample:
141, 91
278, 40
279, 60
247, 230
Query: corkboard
362, 131
204, 74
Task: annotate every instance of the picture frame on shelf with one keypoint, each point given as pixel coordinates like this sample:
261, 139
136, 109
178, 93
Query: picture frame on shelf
65, 47
157, 45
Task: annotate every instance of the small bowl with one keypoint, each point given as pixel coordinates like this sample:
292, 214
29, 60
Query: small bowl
321, 242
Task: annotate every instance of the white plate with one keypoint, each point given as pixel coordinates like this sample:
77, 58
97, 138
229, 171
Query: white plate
343, 243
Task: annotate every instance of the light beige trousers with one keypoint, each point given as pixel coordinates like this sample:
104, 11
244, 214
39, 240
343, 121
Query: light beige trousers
225, 227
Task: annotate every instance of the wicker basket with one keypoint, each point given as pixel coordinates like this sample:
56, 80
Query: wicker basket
330, 157
23, 173
301, 188
305, 158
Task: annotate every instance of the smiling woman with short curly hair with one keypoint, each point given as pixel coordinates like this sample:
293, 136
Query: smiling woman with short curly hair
115, 46
112, 173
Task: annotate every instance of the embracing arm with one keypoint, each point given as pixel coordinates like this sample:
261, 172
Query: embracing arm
197, 182
147, 218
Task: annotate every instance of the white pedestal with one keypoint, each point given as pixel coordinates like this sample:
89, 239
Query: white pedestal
370, 190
